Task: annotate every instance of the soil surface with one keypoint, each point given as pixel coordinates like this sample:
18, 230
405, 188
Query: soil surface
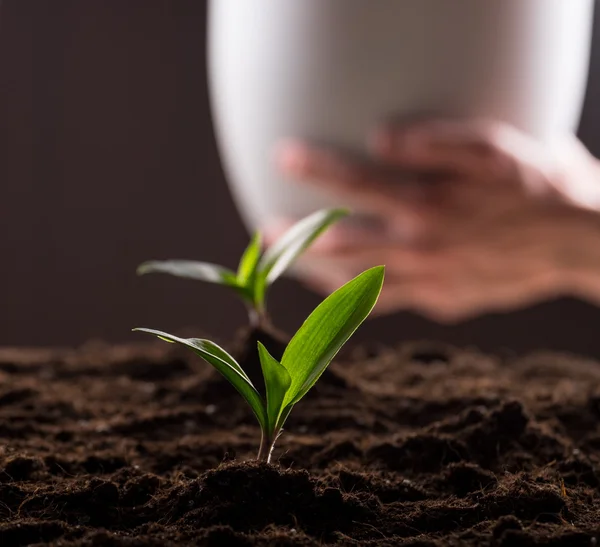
422, 445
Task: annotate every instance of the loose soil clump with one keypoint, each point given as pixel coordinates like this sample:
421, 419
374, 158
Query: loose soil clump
422, 445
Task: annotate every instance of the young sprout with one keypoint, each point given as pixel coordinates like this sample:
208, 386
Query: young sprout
256, 271
306, 357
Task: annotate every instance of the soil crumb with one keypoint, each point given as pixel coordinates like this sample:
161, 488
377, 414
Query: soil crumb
422, 445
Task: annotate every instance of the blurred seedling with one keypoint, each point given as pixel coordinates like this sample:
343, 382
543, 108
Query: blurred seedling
257, 270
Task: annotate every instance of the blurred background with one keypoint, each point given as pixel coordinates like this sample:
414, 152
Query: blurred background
107, 158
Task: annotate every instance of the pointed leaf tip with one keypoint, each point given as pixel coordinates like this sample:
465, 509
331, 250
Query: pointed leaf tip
143, 268
327, 329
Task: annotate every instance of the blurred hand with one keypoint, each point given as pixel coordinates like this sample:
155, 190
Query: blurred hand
471, 216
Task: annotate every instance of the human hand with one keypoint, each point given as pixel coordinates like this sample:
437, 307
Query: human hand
472, 216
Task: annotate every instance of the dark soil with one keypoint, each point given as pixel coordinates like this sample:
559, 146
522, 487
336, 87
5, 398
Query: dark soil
244, 350
423, 445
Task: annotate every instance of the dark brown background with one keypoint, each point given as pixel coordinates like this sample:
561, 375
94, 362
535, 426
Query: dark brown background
107, 158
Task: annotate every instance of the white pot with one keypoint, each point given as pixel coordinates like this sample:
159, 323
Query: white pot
329, 69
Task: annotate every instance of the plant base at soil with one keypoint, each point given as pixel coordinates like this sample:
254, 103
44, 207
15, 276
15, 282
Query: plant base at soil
421, 445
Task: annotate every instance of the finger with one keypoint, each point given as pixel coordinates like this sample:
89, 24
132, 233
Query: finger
462, 147
469, 295
430, 297
320, 282
418, 294
423, 296
400, 264
365, 187
409, 210
338, 238
522, 291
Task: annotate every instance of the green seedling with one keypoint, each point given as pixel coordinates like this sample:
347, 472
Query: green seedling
256, 270
306, 357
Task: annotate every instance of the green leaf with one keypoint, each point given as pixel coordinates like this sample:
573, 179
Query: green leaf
249, 261
225, 364
277, 382
327, 329
277, 258
283, 416
190, 269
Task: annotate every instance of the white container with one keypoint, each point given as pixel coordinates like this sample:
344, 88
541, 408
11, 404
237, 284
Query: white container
328, 70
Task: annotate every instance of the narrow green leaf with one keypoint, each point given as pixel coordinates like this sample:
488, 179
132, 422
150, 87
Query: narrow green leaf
190, 269
292, 244
225, 364
327, 329
249, 260
277, 382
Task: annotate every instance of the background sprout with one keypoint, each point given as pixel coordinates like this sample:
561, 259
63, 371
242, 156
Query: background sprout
256, 271
306, 357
